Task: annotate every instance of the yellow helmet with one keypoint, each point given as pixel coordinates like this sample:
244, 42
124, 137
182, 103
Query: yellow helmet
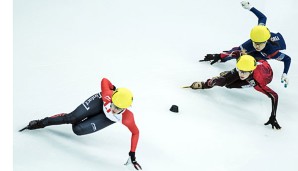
260, 34
246, 63
122, 97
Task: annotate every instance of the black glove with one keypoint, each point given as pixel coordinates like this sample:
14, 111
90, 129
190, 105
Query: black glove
273, 122
132, 156
211, 57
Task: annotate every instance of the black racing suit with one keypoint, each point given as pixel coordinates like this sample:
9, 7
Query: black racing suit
229, 79
86, 118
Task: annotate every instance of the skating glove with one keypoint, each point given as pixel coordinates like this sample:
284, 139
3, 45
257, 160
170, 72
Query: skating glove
132, 160
285, 80
211, 57
216, 57
246, 5
273, 122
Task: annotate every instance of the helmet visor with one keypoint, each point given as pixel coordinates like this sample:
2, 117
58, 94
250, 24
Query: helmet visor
259, 43
243, 72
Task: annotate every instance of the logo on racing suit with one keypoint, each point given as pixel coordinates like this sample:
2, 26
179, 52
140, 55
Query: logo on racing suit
88, 101
93, 126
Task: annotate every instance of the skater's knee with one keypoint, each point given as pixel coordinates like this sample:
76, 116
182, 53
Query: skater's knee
77, 129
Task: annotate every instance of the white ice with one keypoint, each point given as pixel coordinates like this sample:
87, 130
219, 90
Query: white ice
63, 48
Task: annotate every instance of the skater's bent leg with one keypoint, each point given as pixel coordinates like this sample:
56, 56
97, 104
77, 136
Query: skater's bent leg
92, 124
92, 106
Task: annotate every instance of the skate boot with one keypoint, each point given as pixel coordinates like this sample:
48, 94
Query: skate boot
197, 85
35, 124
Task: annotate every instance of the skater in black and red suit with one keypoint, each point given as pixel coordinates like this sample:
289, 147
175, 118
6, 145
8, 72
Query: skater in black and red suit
248, 73
97, 112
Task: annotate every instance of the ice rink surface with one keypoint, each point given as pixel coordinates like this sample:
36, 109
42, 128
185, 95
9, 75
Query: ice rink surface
63, 48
